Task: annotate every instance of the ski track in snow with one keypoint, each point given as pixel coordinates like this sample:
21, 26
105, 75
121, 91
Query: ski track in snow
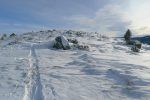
33, 88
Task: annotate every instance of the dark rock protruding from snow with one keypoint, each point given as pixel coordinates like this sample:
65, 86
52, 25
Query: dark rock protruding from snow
61, 42
12, 35
135, 49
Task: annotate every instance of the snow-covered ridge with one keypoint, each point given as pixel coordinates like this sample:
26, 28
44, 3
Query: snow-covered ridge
47, 35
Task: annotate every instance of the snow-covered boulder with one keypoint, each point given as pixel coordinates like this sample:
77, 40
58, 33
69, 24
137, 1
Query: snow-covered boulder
61, 42
138, 44
135, 49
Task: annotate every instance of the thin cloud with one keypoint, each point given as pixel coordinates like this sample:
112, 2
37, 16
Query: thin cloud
109, 19
105, 16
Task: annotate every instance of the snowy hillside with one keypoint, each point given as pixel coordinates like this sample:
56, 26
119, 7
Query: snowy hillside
31, 69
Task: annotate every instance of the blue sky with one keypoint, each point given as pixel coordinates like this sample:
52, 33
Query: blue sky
111, 17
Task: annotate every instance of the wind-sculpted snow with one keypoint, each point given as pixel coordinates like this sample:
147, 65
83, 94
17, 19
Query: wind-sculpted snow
109, 70
13, 68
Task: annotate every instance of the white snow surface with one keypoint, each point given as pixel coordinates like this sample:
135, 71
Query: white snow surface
32, 70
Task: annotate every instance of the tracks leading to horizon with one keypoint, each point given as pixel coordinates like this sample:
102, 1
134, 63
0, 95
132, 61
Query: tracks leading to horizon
33, 86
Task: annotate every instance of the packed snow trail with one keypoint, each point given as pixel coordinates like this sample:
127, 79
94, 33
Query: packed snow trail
33, 88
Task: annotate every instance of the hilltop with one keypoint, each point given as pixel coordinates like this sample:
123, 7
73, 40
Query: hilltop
31, 69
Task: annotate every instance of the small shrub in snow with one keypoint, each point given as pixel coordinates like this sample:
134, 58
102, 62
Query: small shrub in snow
80, 34
74, 41
83, 47
69, 32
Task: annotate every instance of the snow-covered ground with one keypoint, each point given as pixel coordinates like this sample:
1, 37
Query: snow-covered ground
33, 70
